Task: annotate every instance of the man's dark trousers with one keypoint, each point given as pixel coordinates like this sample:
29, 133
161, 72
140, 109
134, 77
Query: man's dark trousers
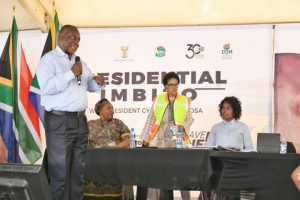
66, 139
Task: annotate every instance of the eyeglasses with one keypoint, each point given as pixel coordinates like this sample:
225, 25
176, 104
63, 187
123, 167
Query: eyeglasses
173, 85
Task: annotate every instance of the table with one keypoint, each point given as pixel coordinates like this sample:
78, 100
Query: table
265, 176
168, 169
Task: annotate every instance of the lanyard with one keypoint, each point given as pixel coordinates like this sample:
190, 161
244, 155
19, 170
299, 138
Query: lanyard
171, 106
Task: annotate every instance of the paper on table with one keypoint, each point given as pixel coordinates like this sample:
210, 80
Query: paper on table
219, 147
225, 148
204, 147
247, 150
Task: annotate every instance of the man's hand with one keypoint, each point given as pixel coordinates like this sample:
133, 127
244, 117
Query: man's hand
99, 79
77, 68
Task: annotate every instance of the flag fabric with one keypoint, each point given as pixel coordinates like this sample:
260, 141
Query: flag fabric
35, 92
26, 108
9, 140
19, 129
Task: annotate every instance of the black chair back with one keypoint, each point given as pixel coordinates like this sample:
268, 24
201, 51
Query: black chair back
290, 148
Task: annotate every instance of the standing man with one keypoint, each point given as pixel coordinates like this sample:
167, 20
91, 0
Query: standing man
65, 103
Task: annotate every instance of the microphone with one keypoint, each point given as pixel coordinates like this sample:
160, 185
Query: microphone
77, 58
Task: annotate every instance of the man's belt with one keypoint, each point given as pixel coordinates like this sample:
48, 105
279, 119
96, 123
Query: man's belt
65, 113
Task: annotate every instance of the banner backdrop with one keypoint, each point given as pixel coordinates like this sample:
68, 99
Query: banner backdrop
212, 62
286, 83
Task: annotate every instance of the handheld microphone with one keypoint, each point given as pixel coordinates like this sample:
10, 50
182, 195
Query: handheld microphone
77, 58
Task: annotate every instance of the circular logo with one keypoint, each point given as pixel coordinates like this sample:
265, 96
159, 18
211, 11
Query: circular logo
160, 51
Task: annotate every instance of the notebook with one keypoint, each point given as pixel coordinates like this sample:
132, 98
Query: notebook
268, 142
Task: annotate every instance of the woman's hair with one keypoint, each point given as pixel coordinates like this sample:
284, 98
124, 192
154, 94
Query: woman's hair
100, 104
169, 76
235, 104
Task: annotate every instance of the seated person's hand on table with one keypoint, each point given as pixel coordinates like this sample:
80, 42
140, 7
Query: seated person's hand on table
145, 143
115, 146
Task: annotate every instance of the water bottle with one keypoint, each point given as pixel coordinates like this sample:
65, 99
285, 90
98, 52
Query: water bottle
179, 139
283, 146
132, 138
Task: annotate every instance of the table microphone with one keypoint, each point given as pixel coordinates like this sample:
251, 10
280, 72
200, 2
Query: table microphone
77, 58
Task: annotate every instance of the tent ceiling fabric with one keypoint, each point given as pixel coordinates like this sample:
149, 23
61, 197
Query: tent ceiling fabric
24, 21
145, 13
